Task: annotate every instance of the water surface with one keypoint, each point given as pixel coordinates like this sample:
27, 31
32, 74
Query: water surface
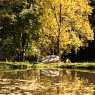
47, 82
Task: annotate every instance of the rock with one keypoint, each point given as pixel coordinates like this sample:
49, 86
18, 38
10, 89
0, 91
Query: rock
67, 61
51, 59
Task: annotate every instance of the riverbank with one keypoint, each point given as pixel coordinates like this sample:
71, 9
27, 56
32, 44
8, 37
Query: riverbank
15, 65
78, 66
67, 65
29, 65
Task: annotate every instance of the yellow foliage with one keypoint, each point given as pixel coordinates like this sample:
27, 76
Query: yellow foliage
73, 28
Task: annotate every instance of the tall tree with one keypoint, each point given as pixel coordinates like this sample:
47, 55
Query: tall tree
18, 24
65, 24
53, 26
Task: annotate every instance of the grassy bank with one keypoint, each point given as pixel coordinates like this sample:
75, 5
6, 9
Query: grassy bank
15, 65
28, 65
78, 66
67, 65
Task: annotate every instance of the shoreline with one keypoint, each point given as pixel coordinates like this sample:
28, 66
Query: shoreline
61, 65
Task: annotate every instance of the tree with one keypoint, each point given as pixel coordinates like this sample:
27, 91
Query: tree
65, 24
19, 25
7, 20
52, 26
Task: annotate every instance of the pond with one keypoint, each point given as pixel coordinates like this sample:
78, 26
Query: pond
47, 82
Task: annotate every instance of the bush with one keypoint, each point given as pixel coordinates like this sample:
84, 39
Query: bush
32, 54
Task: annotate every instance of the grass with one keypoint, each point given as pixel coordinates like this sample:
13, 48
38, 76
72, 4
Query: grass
48, 65
15, 65
29, 65
79, 66
66, 65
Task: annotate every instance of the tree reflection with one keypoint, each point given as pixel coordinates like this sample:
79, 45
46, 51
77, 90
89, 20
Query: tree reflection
39, 82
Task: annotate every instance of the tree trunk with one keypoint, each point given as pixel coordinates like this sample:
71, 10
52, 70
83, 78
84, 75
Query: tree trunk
59, 31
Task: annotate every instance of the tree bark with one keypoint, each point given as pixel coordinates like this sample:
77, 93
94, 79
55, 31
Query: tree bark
59, 31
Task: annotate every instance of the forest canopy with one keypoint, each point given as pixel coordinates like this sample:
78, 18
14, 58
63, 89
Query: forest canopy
43, 27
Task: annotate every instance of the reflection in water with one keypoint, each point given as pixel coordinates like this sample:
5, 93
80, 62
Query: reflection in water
46, 82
